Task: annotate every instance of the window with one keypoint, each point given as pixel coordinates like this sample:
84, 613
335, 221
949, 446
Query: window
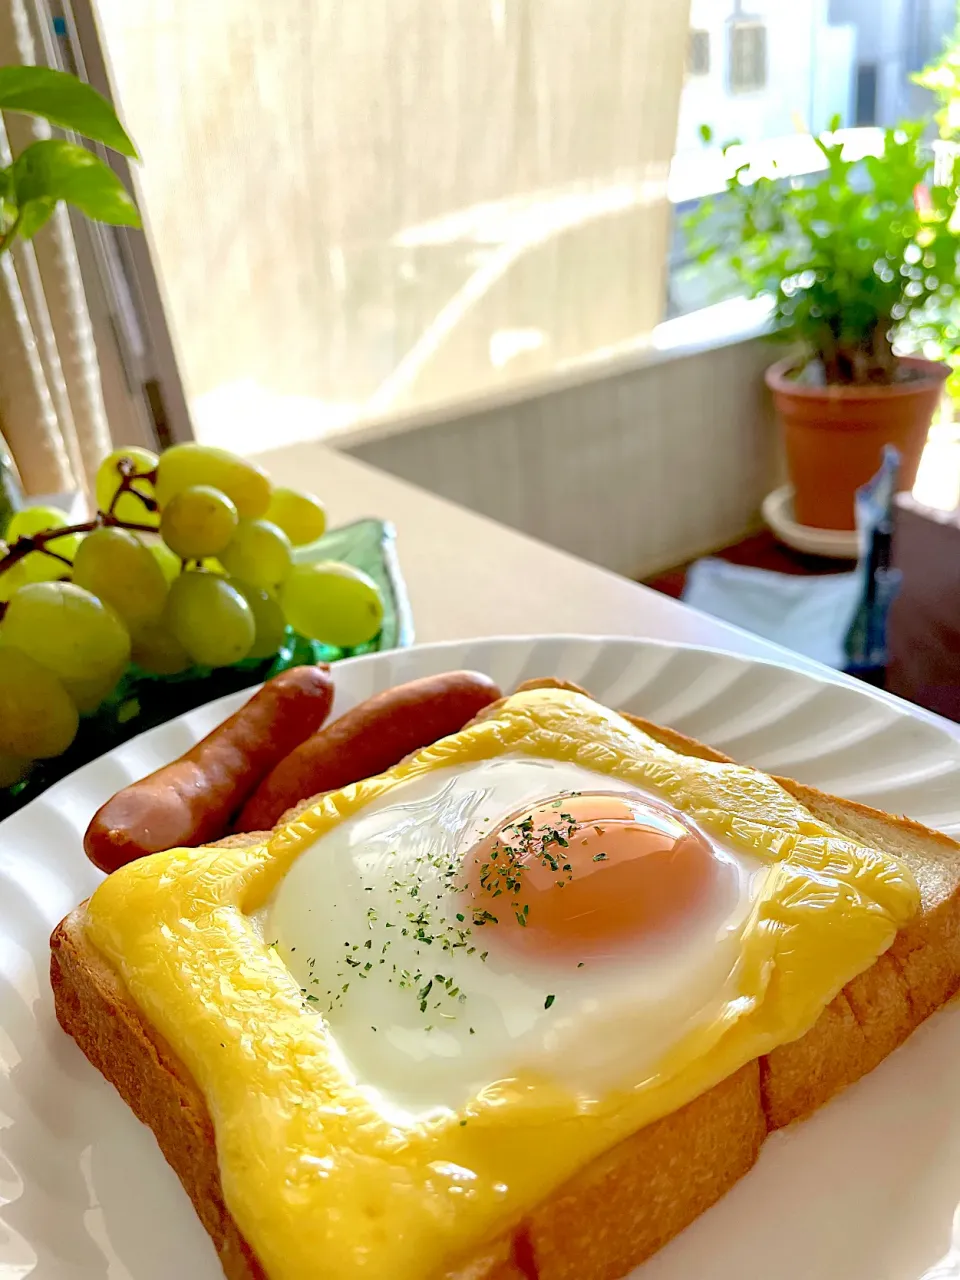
788, 66
748, 56
698, 53
360, 208
865, 111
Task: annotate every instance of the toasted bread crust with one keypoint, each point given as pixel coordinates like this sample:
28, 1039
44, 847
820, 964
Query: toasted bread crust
95, 1008
627, 1204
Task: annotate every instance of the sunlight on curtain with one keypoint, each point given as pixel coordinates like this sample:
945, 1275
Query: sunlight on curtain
51, 406
363, 208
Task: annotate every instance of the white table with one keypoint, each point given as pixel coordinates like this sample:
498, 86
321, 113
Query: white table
468, 576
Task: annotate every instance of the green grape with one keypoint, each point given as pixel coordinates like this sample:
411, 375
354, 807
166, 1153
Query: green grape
38, 567
13, 769
37, 717
198, 522
185, 465
128, 507
31, 520
66, 629
268, 619
333, 603
88, 692
12, 580
210, 618
157, 650
116, 566
259, 553
301, 516
169, 563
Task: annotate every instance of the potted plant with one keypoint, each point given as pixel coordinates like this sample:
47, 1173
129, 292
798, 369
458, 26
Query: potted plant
848, 256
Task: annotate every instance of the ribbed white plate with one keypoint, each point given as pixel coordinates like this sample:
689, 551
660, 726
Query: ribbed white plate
866, 1190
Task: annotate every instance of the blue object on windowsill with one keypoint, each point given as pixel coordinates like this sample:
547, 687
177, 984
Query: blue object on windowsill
838, 619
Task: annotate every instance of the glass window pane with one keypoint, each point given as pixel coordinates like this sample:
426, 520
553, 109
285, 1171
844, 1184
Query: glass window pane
362, 208
778, 71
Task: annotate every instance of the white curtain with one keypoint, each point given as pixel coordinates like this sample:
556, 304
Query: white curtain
51, 405
363, 207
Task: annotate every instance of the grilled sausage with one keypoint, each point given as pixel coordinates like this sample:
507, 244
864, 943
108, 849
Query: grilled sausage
191, 801
368, 739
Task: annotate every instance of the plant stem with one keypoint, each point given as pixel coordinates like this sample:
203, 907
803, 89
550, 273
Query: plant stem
8, 237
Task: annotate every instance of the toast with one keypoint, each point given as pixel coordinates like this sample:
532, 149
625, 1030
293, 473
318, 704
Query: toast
626, 1204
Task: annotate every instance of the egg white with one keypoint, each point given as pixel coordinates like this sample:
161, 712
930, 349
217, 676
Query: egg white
427, 1009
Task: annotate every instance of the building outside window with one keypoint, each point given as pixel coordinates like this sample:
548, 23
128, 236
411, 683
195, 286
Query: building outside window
865, 109
698, 53
748, 56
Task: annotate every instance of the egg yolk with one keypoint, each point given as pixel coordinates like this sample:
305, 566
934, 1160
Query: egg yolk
584, 874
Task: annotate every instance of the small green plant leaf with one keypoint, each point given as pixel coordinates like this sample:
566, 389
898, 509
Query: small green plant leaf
54, 170
706, 133
33, 215
65, 101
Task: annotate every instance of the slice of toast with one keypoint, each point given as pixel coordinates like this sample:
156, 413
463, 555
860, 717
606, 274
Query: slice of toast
628, 1203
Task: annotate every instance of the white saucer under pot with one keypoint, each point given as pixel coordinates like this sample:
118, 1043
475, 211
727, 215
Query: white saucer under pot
835, 544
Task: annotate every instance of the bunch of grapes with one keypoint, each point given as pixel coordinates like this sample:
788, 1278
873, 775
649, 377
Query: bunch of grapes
187, 563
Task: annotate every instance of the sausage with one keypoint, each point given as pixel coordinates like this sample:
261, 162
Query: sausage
368, 739
191, 801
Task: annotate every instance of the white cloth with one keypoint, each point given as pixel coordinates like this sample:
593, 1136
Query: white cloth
810, 615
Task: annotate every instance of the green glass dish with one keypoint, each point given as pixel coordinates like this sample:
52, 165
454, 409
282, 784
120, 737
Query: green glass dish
141, 701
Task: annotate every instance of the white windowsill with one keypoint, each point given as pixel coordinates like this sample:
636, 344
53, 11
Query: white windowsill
234, 416
722, 325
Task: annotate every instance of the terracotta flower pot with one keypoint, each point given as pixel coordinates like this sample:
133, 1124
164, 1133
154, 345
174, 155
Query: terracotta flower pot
835, 435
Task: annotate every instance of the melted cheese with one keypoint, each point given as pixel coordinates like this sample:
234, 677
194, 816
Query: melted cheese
322, 1184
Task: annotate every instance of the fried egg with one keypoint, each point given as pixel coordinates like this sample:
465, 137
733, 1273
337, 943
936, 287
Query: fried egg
515, 913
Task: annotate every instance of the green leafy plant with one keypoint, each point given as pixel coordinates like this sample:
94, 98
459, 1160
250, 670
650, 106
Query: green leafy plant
54, 169
848, 255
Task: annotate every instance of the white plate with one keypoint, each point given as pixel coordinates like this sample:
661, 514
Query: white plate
865, 1190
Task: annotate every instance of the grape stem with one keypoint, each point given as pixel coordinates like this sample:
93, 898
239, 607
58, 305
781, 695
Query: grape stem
128, 473
102, 520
